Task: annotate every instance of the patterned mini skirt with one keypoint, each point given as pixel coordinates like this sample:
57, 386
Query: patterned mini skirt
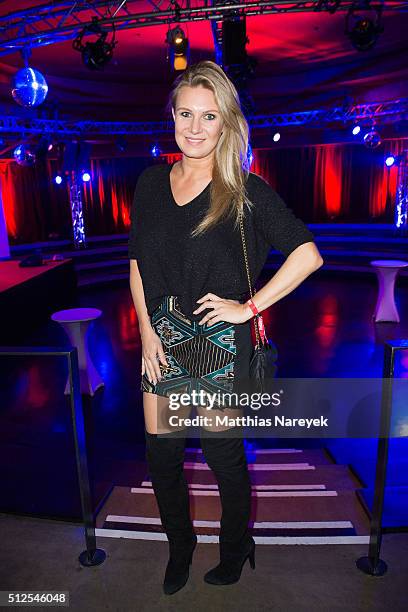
204, 359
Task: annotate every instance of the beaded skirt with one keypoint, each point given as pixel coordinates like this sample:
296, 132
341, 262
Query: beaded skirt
200, 358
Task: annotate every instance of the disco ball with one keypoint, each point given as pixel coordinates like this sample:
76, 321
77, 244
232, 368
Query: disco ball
372, 139
29, 87
24, 156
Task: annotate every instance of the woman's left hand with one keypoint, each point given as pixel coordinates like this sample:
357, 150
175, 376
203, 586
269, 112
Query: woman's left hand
230, 311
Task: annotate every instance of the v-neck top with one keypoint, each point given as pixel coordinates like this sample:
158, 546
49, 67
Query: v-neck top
171, 262
198, 196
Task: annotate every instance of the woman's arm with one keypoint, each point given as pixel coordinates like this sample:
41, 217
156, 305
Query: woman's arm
152, 349
136, 288
304, 260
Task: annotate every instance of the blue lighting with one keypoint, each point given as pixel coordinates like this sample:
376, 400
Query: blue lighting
389, 161
29, 87
86, 177
250, 156
58, 179
155, 150
356, 130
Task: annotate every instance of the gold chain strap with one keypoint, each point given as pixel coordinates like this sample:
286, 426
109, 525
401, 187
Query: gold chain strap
248, 276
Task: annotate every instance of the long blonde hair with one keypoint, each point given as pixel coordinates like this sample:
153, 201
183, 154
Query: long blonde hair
231, 166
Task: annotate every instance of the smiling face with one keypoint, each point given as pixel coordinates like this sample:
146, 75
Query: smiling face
198, 122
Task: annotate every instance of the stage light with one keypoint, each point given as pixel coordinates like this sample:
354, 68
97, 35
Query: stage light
24, 156
276, 137
29, 87
361, 29
389, 161
250, 156
44, 146
363, 35
372, 139
95, 54
179, 48
155, 150
58, 179
121, 144
356, 130
86, 177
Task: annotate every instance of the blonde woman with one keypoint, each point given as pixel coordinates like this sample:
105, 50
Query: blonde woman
189, 286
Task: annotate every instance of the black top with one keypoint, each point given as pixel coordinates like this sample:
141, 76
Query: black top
172, 263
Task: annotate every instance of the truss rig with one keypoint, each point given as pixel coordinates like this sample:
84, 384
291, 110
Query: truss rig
389, 111
58, 21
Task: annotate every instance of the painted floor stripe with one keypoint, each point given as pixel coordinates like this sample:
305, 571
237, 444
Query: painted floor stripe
150, 491
151, 520
273, 540
282, 487
256, 466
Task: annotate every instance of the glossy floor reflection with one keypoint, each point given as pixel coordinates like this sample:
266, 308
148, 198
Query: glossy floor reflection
322, 329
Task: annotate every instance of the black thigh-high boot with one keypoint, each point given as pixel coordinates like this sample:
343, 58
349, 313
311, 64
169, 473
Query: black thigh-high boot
225, 455
165, 458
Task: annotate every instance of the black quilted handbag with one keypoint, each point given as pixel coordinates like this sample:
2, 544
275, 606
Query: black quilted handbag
262, 366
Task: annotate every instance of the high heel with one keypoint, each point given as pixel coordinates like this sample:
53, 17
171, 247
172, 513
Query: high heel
178, 566
228, 571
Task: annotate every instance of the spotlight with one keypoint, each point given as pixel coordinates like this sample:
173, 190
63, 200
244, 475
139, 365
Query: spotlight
86, 177
155, 150
121, 144
356, 130
372, 139
95, 54
58, 179
44, 146
179, 48
276, 137
362, 30
250, 156
389, 161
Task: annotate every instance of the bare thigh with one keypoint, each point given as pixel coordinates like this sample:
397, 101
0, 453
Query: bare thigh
157, 412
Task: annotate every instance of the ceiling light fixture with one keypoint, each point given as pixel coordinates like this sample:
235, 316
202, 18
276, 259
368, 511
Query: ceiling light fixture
179, 48
95, 54
362, 27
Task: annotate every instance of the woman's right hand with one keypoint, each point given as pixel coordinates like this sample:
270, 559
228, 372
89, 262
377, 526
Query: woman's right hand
152, 355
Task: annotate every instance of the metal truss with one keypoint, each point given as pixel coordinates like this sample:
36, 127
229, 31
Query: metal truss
387, 112
58, 21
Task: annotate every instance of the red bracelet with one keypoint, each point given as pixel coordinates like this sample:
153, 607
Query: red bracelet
253, 307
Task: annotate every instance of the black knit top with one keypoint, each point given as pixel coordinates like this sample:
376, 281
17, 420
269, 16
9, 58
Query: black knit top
172, 263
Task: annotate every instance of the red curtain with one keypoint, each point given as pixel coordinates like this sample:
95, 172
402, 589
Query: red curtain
383, 181
323, 183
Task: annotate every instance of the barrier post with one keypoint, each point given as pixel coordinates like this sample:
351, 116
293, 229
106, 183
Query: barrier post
92, 555
372, 564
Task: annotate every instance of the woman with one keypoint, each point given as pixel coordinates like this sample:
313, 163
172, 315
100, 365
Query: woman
189, 285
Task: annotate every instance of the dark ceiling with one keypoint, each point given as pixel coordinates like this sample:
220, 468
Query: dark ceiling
304, 61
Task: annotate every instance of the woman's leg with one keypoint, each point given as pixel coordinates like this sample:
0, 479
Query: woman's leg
224, 452
165, 459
